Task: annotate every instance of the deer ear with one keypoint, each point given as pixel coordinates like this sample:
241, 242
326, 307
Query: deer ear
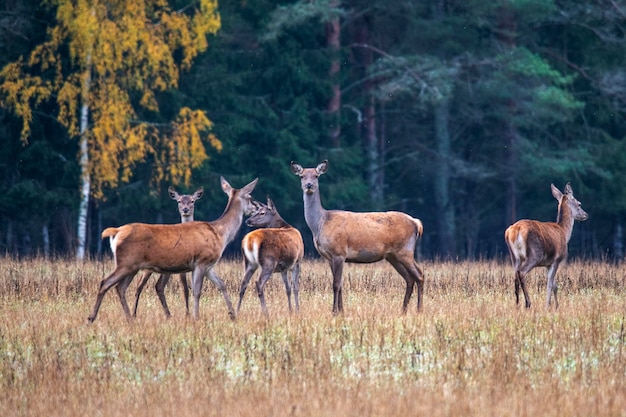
270, 203
568, 189
322, 167
556, 193
226, 187
172, 192
247, 189
199, 193
296, 168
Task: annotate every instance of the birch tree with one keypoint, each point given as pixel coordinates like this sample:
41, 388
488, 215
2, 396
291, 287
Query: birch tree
101, 67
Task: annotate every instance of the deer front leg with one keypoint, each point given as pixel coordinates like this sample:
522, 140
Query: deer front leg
183, 282
285, 276
336, 266
197, 279
295, 279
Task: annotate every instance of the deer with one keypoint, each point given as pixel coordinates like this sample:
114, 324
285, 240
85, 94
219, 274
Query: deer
276, 248
534, 243
361, 237
176, 248
186, 203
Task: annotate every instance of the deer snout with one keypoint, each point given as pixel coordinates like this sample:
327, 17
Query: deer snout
309, 187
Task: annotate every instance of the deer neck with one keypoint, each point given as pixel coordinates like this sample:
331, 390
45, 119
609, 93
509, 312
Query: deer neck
314, 213
186, 219
228, 224
278, 222
565, 218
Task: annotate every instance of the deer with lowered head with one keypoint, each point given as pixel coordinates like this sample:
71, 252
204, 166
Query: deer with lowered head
276, 248
186, 205
533, 243
345, 236
176, 248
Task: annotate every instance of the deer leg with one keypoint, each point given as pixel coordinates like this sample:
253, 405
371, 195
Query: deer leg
160, 290
266, 273
121, 288
222, 287
336, 266
521, 275
144, 281
183, 282
119, 274
250, 269
197, 279
285, 276
551, 286
517, 285
295, 279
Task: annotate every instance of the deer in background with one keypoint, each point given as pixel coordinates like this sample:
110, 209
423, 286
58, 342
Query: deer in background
277, 248
186, 203
176, 248
533, 243
344, 236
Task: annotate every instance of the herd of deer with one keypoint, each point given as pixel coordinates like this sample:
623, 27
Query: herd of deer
339, 236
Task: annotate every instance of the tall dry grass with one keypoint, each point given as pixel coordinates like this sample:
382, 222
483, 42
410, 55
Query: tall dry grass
471, 351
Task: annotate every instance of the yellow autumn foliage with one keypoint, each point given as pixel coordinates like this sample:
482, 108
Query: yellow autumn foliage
118, 49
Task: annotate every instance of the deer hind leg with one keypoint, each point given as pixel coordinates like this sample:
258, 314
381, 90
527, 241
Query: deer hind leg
551, 285
336, 266
266, 272
251, 268
222, 288
160, 290
144, 281
285, 276
413, 276
521, 281
295, 280
121, 288
118, 275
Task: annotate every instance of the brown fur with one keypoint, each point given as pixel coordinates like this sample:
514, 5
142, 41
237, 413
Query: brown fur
345, 236
533, 243
274, 249
175, 248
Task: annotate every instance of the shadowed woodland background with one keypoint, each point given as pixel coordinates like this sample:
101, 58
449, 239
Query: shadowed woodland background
460, 113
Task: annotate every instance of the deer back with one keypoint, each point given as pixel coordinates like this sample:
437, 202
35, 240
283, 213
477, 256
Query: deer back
166, 248
358, 236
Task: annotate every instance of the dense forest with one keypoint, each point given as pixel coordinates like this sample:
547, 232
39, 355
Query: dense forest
458, 112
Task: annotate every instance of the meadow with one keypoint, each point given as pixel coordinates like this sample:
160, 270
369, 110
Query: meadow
470, 352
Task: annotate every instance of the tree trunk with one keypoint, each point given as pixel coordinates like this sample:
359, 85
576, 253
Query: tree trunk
333, 40
369, 134
445, 209
85, 178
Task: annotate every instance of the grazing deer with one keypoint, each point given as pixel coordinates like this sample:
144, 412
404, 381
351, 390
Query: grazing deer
533, 243
345, 236
175, 248
278, 248
186, 204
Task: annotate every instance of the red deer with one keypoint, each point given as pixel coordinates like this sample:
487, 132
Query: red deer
176, 248
186, 203
278, 248
344, 236
533, 243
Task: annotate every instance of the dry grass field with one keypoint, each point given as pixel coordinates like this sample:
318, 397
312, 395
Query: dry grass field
471, 352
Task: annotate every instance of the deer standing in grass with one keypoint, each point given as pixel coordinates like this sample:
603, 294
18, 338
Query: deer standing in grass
344, 236
186, 204
277, 248
176, 248
533, 243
